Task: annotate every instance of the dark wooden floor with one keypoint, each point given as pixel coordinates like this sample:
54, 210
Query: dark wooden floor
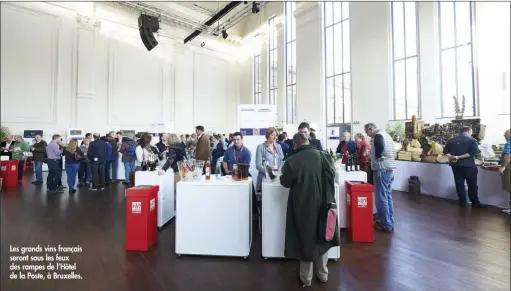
436, 246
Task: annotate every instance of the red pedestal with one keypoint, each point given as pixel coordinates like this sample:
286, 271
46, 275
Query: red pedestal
359, 211
141, 217
9, 171
25, 167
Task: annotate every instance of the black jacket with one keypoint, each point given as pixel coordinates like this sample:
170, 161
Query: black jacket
97, 149
175, 153
313, 142
39, 151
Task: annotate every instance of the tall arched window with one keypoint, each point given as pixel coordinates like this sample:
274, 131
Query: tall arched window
456, 56
405, 55
257, 79
272, 60
337, 62
290, 63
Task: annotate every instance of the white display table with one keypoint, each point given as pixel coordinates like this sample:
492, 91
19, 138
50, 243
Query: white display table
341, 176
166, 209
437, 180
274, 205
214, 218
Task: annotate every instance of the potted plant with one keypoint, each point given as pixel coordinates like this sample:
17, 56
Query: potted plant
459, 110
396, 130
4, 132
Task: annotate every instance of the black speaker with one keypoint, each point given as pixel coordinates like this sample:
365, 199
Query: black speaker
147, 26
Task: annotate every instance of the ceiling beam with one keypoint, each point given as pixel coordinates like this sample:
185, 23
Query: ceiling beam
214, 19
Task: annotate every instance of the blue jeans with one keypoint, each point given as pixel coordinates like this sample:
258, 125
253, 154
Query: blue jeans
72, 172
128, 168
383, 197
38, 171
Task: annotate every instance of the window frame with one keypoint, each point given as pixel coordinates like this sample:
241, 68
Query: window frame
257, 78
405, 58
272, 52
474, 72
343, 73
290, 101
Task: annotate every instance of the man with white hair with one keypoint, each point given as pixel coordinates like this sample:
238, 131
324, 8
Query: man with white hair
346, 147
383, 164
6, 145
39, 154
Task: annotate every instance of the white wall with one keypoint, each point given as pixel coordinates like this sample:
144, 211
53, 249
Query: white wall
58, 72
371, 64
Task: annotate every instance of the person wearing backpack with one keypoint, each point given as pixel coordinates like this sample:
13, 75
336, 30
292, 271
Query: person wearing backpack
128, 151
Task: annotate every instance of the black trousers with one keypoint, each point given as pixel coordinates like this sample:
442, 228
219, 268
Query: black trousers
54, 174
108, 166
462, 174
21, 169
97, 168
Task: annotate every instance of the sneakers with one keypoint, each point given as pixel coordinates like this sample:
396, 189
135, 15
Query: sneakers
379, 227
36, 182
507, 211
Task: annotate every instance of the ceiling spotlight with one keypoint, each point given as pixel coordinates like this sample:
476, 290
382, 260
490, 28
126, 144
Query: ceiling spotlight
224, 34
202, 44
245, 2
256, 7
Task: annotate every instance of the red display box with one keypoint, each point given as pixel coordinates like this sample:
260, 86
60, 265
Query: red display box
359, 211
141, 217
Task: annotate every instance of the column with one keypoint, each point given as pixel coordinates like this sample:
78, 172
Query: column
309, 66
84, 70
429, 62
281, 74
370, 63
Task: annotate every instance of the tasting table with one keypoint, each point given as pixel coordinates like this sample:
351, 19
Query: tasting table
437, 180
214, 217
273, 211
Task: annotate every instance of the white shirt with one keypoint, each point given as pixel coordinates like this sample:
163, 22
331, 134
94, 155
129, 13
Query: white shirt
7, 146
142, 154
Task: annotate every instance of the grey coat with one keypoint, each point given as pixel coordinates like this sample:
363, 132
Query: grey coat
263, 154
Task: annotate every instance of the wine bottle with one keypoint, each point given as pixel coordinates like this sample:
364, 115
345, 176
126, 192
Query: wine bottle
208, 170
218, 170
356, 163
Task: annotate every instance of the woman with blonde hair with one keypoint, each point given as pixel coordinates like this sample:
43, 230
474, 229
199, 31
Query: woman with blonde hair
73, 155
175, 153
268, 152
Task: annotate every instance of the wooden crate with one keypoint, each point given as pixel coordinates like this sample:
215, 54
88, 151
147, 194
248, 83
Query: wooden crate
413, 129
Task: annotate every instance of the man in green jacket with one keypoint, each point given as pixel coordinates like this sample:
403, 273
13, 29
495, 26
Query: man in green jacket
18, 153
310, 175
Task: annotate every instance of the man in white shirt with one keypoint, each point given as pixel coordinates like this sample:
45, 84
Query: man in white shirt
5, 146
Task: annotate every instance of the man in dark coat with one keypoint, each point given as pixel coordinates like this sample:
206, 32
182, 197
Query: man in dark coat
310, 176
